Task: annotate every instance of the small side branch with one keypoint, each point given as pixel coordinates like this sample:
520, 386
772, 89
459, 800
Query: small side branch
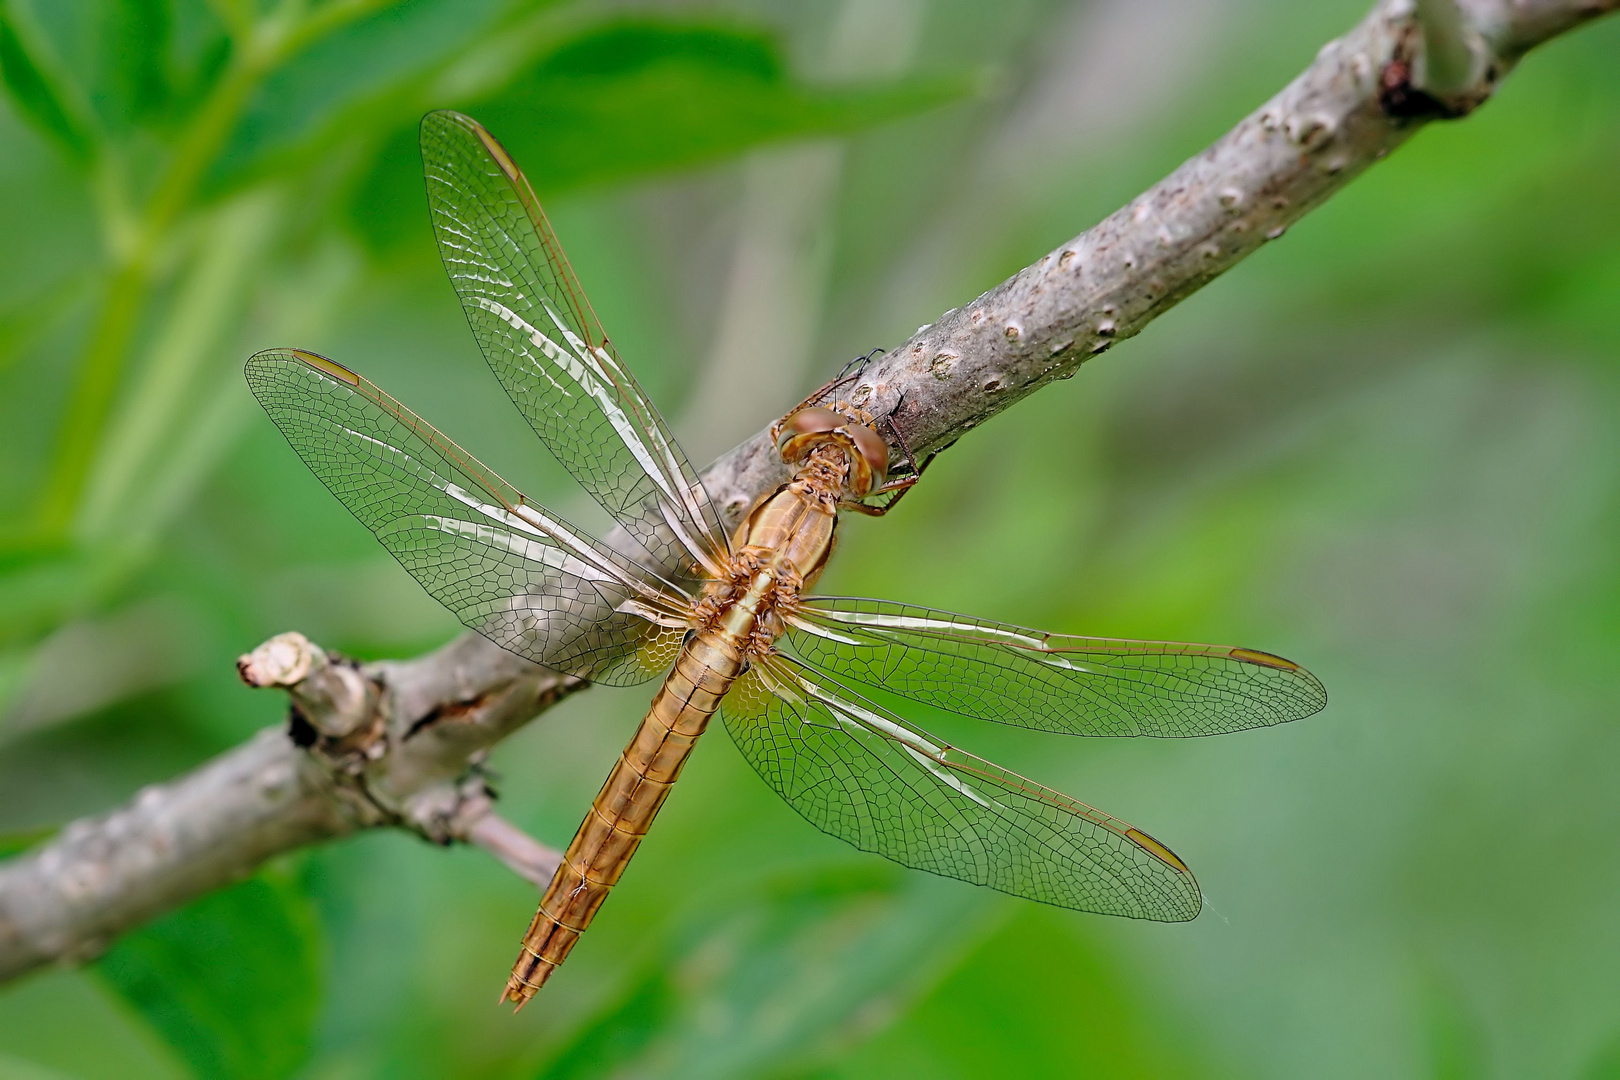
392, 744
522, 853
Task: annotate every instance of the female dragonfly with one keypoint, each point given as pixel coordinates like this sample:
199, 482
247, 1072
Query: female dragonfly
724, 619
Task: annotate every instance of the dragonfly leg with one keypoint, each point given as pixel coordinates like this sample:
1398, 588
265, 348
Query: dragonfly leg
857, 365
896, 487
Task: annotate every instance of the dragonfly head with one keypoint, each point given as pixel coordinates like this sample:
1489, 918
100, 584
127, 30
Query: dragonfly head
868, 454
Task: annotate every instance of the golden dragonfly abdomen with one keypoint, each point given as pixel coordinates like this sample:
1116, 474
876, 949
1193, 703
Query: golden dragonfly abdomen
624, 809
780, 547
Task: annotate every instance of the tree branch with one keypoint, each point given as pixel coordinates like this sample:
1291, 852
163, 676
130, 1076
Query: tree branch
1362, 97
399, 743
393, 743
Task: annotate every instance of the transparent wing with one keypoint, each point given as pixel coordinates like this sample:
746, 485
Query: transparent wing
538, 333
507, 568
865, 776
1051, 682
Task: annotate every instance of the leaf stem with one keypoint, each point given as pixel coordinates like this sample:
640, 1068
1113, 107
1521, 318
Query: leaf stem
272, 42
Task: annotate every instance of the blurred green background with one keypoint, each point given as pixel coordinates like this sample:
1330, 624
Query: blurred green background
1387, 446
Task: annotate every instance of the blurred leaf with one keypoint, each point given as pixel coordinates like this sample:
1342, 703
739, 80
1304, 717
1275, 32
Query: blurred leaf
43, 584
15, 843
165, 410
25, 321
13, 1068
787, 975
231, 981
637, 97
358, 65
1078, 1009
37, 93
1456, 1042
96, 661
135, 43
1605, 1065
631, 98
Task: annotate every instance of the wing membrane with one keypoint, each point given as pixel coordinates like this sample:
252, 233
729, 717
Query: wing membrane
538, 333
865, 776
1052, 682
507, 568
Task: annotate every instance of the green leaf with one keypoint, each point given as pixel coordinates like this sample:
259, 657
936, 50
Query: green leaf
625, 48
789, 973
35, 91
1605, 1064
135, 45
25, 321
19, 841
1078, 1007
1456, 1042
638, 97
324, 99
232, 981
43, 584
633, 98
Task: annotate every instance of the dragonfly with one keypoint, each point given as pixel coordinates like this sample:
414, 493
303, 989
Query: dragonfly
723, 617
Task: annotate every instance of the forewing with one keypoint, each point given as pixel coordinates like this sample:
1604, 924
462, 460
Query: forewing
865, 776
1051, 682
506, 567
538, 333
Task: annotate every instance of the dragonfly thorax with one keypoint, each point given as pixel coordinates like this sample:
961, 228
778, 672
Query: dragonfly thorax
747, 605
779, 550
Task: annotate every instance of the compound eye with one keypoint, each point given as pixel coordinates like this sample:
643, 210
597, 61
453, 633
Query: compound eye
876, 453
811, 422
803, 429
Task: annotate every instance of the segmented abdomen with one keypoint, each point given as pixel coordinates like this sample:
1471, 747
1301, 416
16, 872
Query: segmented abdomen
625, 807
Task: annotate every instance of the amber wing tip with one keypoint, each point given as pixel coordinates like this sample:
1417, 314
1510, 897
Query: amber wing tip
1264, 659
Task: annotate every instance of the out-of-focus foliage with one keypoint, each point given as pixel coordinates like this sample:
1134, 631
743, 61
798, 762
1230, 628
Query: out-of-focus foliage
806, 964
631, 98
252, 1017
1386, 446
